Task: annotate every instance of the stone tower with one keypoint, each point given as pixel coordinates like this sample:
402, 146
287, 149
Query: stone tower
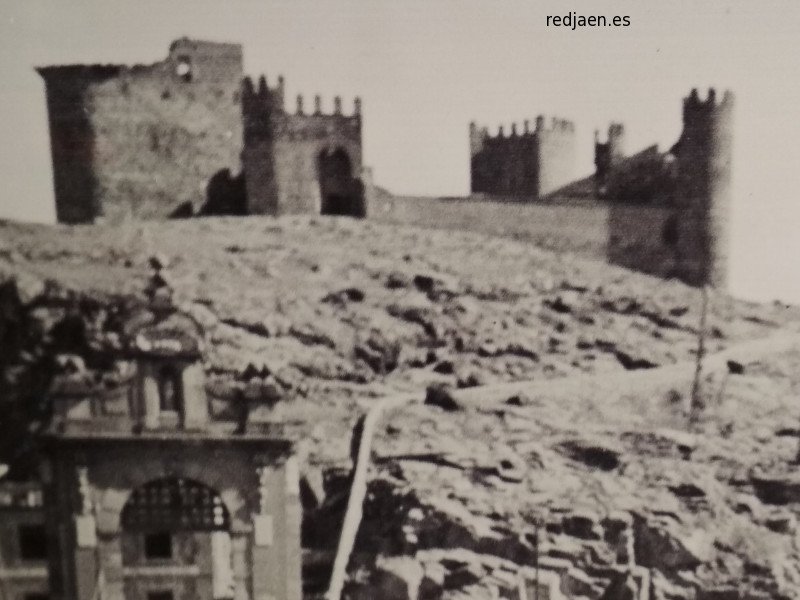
529, 164
704, 154
609, 154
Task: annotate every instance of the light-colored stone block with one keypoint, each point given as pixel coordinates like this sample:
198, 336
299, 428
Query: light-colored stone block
85, 531
263, 530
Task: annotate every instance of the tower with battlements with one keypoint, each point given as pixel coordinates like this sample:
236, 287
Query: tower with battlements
524, 164
609, 154
300, 162
669, 212
704, 155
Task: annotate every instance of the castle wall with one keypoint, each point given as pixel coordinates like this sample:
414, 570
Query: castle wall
575, 227
142, 141
639, 238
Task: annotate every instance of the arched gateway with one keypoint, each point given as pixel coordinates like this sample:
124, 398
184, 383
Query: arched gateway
340, 192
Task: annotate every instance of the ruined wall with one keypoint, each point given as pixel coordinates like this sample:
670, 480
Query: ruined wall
530, 164
142, 141
189, 136
704, 155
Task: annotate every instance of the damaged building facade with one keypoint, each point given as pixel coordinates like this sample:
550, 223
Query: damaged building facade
191, 135
149, 487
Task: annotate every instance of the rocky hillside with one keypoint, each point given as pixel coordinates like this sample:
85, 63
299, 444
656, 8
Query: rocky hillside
593, 465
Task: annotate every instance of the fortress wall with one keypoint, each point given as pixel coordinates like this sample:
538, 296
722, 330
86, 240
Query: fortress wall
639, 239
631, 236
578, 227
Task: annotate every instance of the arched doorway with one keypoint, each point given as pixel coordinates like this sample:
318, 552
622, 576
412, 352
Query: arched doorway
176, 542
339, 191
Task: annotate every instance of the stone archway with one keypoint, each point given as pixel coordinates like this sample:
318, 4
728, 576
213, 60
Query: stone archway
340, 191
176, 542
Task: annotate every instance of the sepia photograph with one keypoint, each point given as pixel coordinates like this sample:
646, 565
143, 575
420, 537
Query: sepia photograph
399, 300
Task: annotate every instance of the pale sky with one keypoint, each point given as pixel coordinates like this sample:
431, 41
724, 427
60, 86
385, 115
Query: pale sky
425, 69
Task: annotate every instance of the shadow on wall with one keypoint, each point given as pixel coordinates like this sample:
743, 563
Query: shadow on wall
72, 140
225, 195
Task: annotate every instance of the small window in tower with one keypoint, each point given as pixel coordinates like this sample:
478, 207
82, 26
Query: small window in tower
164, 595
170, 391
158, 546
32, 542
184, 68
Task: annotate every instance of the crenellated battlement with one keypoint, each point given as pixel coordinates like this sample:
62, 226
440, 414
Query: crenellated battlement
616, 131
698, 112
694, 102
555, 125
261, 96
319, 111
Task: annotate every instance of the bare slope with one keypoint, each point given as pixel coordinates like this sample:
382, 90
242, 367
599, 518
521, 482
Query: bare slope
342, 312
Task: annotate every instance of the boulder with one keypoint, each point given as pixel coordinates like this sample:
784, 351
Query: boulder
776, 488
582, 524
660, 543
442, 396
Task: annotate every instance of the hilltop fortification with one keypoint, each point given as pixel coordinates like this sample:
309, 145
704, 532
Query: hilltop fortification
190, 135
